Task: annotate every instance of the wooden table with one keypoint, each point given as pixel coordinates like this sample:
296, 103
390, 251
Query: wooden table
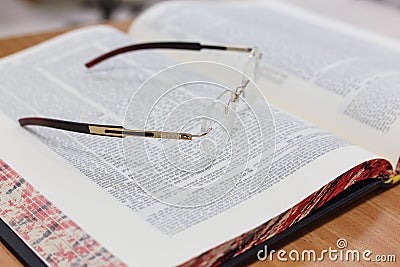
372, 223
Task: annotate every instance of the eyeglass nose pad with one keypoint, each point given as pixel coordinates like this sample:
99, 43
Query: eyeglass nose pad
234, 98
227, 106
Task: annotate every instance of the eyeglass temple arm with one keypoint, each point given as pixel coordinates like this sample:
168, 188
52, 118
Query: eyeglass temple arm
164, 45
104, 130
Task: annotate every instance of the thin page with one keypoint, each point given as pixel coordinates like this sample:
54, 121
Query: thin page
87, 178
338, 77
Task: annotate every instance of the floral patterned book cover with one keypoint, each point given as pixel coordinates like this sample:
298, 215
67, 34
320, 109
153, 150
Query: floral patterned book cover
59, 241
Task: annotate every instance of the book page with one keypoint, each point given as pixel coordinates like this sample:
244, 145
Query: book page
87, 178
338, 77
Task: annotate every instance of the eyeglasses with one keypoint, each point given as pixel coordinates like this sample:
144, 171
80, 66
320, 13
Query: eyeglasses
222, 109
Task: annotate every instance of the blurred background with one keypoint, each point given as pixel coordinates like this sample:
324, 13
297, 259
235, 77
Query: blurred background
19, 17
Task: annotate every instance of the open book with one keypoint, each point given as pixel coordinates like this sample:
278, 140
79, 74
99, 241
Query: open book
334, 95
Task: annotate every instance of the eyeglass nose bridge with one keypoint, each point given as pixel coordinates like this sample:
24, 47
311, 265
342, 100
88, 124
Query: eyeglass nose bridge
235, 95
254, 52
